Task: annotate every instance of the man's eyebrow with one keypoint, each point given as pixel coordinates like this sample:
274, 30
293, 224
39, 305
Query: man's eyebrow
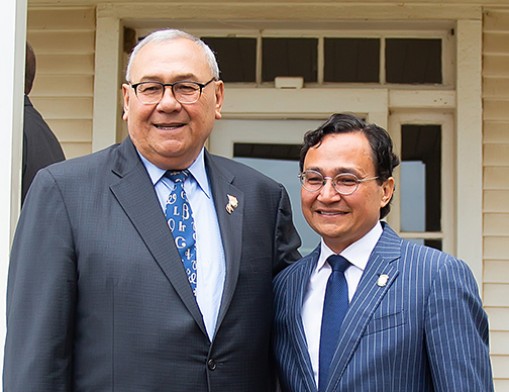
158, 78
338, 170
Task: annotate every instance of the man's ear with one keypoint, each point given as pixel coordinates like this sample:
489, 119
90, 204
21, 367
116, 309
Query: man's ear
125, 93
219, 92
387, 191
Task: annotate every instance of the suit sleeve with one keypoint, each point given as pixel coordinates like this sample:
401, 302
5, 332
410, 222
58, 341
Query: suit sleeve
41, 294
456, 332
287, 240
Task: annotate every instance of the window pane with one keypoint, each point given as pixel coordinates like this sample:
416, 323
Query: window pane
353, 60
437, 244
289, 57
413, 60
269, 151
421, 183
236, 58
280, 162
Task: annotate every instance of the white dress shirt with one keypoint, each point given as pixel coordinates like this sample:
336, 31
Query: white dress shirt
210, 262
358, 255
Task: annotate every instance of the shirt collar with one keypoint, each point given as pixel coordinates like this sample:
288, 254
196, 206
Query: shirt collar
357, 253
197, 169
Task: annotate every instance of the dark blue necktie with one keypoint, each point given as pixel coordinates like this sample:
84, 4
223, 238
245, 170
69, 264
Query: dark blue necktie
180, 220
335, 307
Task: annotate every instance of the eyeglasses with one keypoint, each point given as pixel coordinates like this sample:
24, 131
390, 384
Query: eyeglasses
185, 92
345, 183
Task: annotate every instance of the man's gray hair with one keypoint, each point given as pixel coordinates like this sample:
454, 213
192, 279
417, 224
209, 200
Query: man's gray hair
168, 35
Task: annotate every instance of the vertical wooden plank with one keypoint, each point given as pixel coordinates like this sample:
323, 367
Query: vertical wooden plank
469, 144
107, 82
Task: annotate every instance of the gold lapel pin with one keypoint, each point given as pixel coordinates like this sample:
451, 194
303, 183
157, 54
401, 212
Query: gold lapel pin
232, 204
382, 280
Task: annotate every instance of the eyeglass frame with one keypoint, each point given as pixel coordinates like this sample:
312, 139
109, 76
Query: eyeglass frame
357, 180
164, 85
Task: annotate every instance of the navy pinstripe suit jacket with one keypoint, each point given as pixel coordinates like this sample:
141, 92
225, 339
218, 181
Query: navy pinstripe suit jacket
425, 330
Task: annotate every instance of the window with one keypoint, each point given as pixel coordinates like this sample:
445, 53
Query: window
421, 179
323, 59
423, 206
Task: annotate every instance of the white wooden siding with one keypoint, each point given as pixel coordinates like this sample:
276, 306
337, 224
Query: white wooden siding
64, 42
496, 187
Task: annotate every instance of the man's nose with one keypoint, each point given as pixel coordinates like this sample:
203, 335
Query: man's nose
328, 191
168, 99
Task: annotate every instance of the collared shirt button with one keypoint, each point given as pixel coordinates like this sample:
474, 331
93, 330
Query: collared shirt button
211, 364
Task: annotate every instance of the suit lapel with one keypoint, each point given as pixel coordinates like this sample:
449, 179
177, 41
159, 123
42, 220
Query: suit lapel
296, 294
365, 301
230, 226
135, 194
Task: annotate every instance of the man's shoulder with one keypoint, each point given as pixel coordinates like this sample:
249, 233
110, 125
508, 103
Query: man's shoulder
413, 252
422, 256
92, 166
33, 121
297, 268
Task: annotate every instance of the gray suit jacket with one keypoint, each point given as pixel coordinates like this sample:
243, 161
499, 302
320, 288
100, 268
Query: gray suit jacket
424, 330
98, 299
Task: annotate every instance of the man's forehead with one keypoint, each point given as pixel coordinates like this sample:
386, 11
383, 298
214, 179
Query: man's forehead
335, 152
154, 62
174, 44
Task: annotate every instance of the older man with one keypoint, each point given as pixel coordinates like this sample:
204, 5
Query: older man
137, 268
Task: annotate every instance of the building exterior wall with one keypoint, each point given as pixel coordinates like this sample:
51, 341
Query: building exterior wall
64, 43
496, 186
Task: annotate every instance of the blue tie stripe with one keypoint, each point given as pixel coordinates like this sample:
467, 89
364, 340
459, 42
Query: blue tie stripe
179, 216
335, 307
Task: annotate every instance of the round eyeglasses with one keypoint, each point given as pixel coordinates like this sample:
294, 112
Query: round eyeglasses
185, 92
345, 183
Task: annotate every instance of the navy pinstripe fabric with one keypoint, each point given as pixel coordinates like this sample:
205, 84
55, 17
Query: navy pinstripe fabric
425, 330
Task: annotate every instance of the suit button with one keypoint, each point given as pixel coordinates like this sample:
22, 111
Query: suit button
211, 364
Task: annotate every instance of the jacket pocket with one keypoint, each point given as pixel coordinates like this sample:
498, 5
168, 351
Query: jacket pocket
386, 322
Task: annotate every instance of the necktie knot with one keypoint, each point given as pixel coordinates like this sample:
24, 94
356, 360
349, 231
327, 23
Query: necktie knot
177, 175
338, 263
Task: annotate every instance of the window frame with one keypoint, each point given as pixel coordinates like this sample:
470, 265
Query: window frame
444, 31
446, 122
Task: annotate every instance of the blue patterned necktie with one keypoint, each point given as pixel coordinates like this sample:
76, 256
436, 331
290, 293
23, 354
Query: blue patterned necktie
335, 307
180, 220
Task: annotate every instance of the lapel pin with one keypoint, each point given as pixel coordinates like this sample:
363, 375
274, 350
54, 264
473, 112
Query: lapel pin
232, 204
382, 280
